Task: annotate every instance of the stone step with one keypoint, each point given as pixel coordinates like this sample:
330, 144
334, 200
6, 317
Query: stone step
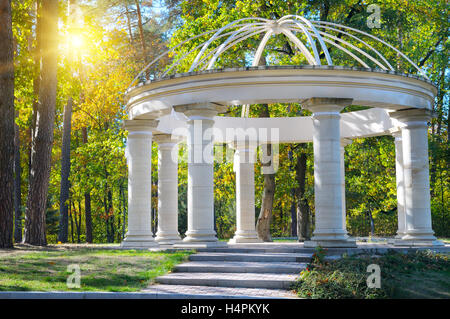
251, 257
244, 280
206, 292
255, 250
241, 267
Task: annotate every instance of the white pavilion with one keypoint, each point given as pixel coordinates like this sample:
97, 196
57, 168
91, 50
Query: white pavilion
177, 107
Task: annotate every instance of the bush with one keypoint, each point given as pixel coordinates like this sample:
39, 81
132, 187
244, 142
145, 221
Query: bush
346, 278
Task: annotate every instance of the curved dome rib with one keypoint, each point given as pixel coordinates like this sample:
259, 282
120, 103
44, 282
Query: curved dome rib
261, 47
353, 47
166, 52
229, 25
308, 23
363, 42
308, 35
192, 50
221, 49
379, 40
299, 44
241, 38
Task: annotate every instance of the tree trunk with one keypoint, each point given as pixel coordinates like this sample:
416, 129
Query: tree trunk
71, 210
43, 139
130, 33
87, 200
141, 31
65, 172
303, 211
294, 204
111, 217
124, 208
265, 215
6, 126
36, 81
17, 186
78, 221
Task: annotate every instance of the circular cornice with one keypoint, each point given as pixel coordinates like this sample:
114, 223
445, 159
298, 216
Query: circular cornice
272, 84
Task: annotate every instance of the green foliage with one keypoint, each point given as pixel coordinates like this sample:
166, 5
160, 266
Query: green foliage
346, 278
97, 76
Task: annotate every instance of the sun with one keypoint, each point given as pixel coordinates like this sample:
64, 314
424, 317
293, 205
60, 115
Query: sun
76, 41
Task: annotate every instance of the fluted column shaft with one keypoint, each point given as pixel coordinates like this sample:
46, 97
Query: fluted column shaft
330, 229
200, 173
167, 189
139, 155
244, 161
418, 230
400, 183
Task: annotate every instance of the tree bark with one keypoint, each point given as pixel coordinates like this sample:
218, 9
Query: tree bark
36, 81
87, 200
65, 172
43, 139
265, 214
17, 186
141, 31
6, 126
303, 210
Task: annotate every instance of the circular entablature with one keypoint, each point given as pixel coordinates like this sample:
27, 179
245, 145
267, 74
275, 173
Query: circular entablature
280, 84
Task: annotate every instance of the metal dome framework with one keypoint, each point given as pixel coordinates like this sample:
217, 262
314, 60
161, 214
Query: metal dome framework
317, 33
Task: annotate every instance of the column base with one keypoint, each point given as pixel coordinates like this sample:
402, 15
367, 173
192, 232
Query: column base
245, 237
199, 244
193, 236
138, 242
167, 238
330, 240
417, 240
200, 239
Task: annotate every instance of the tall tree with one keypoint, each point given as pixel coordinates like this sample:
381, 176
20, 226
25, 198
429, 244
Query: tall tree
6, 125
43, 137
303, 210
87, 199
265, 214
17, 185
65, 171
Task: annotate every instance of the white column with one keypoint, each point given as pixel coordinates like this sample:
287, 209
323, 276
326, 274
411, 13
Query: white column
139, 159
200, 146
418, 231
167, 189
244, 162
399, 179
344, 143
329, 230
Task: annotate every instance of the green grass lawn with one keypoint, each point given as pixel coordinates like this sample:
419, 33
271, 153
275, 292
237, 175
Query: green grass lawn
101, 270
421, 274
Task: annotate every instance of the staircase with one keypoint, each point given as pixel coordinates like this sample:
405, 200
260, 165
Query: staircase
239, 271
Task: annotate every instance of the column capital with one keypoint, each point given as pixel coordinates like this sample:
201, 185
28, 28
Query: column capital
200, 111
411, 116
165, 138
146, 126
326, 104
